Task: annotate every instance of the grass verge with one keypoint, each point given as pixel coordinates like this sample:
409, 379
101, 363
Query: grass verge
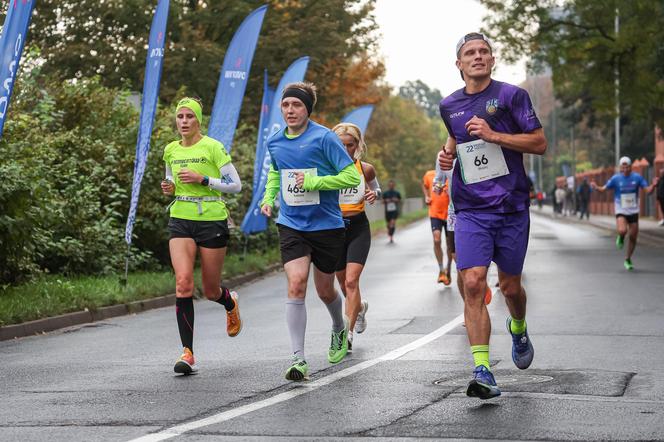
380, 224
54, 295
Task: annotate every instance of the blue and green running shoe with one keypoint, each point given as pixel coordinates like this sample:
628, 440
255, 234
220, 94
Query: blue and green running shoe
628, 264
522, 349
483, 385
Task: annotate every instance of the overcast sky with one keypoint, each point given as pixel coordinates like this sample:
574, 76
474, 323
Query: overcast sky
419, 38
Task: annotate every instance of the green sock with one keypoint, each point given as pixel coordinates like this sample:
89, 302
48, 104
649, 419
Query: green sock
480, 355
518, 326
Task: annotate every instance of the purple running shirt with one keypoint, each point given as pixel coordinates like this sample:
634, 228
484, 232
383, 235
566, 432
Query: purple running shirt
507, 109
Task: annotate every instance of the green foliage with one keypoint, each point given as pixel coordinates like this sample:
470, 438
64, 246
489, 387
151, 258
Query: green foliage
403, 143
576, 40
84, 38
426, 98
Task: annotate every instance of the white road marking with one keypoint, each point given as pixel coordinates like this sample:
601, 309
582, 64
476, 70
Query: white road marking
305, 388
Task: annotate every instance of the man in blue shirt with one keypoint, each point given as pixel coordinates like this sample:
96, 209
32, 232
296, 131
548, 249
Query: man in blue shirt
309, 165
626, 186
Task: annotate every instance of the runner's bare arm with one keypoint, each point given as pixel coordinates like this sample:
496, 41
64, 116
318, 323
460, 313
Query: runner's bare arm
447, 154
532, 142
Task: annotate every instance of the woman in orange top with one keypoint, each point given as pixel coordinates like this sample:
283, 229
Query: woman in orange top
358, 233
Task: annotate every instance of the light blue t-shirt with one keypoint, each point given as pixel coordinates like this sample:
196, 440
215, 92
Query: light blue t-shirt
626, 192
316, 148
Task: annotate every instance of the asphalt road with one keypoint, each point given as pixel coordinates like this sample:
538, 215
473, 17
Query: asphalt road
597, 375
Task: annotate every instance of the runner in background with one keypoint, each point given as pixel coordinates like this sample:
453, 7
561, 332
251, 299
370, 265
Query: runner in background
358, 233
626, 186
198, 169
438, 203
391, 200
309, 166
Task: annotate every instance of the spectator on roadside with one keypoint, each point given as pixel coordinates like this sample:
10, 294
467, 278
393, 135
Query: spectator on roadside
540, 199
583, 198
559, 198
556, 209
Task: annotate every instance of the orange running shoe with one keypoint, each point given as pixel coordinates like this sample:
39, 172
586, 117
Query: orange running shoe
487, 296
185, 363
233, 321
442, 277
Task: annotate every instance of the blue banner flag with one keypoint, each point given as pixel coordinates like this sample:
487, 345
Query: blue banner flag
254, 221
151, 82
233, 79
360, 117
268, 95
19, 13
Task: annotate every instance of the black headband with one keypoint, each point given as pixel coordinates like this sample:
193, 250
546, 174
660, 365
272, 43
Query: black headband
301, 95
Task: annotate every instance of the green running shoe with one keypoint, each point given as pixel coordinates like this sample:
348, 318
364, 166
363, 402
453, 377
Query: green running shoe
338, 344
299, 371
628, 264
620, 242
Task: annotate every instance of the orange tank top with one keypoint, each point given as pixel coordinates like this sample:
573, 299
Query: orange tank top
352, 200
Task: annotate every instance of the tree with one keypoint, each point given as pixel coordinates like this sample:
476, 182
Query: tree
84, 38
424, 97
578, 43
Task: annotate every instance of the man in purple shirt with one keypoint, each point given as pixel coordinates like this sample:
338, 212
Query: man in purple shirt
491, 125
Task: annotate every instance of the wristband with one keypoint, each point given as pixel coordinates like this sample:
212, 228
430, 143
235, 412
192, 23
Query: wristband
205, 181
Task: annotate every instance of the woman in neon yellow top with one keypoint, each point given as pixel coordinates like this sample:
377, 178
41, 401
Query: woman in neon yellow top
198, 169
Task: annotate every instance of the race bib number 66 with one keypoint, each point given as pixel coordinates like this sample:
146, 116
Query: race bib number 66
293, 195
481, 161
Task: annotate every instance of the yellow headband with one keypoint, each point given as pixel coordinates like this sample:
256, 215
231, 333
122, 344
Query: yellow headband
193, 105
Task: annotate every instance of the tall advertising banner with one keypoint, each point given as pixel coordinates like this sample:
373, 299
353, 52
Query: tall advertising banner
151, 82
268, 96
360, 117
233, 79
19, 13
254, 221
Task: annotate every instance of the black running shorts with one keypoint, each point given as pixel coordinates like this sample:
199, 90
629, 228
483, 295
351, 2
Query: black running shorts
391, 215
631, 219
438, 224
208, 234
357, 242
324, 246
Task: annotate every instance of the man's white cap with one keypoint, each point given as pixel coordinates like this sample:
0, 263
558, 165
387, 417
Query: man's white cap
626, 161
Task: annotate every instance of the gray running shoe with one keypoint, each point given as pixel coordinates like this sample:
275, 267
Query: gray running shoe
361, 321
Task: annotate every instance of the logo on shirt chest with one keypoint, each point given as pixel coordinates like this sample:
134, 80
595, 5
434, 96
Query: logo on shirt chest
492, 106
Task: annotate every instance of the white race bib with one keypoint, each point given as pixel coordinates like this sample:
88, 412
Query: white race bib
354, 195
481, 161
293, 195
628, 200
391, 206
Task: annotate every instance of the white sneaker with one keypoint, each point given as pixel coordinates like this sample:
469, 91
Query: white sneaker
661, 223
361, 322
350, 342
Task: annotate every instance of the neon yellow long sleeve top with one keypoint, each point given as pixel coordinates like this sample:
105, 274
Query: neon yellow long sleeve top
348, 177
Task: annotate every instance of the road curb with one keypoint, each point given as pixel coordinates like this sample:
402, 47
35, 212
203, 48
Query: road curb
645, 237
53, 323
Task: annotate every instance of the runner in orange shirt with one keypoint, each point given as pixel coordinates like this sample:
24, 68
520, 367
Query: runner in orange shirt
438, 204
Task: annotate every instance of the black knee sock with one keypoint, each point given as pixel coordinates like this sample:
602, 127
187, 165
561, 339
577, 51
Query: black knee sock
390, 231
226, 299
184, 310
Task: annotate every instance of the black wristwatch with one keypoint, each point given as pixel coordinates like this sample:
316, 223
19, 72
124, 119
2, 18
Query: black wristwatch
205, 181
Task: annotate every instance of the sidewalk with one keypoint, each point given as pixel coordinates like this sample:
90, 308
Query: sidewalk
650, 232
